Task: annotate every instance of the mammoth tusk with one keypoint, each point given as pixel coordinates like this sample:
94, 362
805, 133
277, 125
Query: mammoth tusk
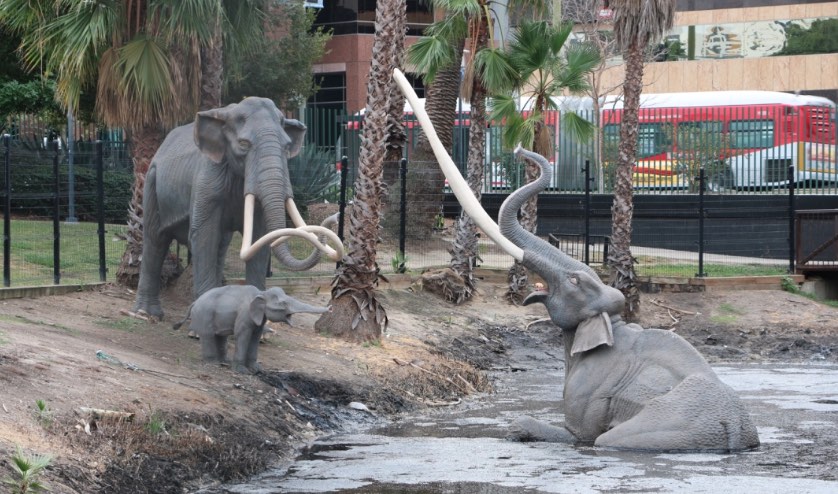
456, 181
276, 237
294, 213
247, 229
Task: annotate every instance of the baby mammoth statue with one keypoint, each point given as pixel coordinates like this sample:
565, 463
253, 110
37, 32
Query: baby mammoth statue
240, 311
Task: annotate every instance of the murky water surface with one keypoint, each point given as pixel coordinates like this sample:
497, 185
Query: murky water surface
462, 450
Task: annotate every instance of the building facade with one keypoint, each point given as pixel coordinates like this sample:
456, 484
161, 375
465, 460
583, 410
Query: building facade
724, 45
740, 45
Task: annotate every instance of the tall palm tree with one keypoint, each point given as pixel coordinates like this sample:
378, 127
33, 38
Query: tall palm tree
141, 57
356, 313
471, 20
542, 71
637, 24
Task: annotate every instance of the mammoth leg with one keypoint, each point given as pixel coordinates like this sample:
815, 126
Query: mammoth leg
155, 246
256, 267
699, 414
221, 344
205, 240
209, 346
250, 358
247, 344
226, 238
527, 429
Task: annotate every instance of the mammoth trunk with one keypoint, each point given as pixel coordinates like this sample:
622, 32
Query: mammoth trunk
270, 184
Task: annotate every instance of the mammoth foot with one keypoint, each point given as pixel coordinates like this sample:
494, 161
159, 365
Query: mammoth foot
528, 429
254, 368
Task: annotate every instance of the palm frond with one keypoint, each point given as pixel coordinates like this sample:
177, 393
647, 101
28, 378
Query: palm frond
577, 127
430, 54
496, 70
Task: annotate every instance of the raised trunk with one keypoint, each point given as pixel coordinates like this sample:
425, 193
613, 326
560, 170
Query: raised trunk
518, 276
620, 260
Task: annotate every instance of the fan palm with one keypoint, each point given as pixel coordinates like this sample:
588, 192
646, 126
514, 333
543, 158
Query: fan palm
356, 313
143, 59
637, 24
542, 71
471, 20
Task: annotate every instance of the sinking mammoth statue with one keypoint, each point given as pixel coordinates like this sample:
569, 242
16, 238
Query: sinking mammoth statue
625, 386
204, 184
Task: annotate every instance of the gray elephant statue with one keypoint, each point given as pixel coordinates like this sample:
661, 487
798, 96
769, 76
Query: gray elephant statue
203, 185
240, 311
625, 386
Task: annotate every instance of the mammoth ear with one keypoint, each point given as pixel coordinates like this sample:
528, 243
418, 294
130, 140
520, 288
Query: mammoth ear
209, 134
257, 310
296, 130
592, 333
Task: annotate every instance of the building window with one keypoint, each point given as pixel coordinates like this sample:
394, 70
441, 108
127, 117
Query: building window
331, 92
358, 16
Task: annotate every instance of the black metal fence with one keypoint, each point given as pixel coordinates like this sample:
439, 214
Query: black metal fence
64, 213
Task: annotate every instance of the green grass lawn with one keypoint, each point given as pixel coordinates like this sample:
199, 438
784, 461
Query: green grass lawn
32, 247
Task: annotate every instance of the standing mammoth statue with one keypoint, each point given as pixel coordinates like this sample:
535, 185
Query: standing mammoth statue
625, 386
203, 185
240, 311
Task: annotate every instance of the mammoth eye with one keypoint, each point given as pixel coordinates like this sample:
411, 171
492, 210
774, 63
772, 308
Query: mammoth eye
574, 280
244, 143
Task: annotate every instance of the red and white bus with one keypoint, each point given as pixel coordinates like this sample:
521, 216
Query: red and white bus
750, 139
759, 135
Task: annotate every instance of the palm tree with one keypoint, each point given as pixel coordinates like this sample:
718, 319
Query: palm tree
637, 24
143, 60
470, 20
356, 313
542, 71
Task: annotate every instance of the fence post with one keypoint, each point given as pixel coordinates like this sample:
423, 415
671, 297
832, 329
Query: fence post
344, 171
56, 226
792, 211
701, 187
587, 211
100, 209
402, 211
7, 212
71, 174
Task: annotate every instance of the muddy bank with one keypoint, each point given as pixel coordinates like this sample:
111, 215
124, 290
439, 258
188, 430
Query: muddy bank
197, 425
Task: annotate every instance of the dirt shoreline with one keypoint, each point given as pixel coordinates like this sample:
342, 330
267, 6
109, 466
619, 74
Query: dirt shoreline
196, 425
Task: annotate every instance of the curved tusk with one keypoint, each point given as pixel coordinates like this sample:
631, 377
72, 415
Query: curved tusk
276, 237
294, 213
455, 180
283, 234
334, 254
247, 229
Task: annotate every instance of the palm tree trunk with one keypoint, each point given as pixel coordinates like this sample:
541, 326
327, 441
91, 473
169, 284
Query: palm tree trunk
357, 314
212, 69
425, 178
465, 251
620, 260
144, 143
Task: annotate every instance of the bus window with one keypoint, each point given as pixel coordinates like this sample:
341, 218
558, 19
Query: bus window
691, 134
652, 139
749, 134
